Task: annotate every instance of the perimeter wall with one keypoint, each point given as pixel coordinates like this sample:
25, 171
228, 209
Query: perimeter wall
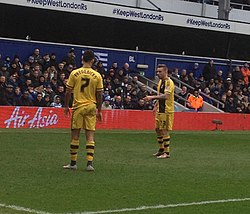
37, 117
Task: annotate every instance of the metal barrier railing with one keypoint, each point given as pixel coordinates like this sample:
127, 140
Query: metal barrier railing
179, 83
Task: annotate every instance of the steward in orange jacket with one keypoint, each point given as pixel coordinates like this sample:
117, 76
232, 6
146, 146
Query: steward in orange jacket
195, 101
246, 73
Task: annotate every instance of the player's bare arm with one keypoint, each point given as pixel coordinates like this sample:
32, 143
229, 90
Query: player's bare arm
99, 105
66, 102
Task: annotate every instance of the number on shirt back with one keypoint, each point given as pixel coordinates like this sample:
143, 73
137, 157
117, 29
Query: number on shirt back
85, 83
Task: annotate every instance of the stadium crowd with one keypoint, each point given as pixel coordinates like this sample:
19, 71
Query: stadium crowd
41, 81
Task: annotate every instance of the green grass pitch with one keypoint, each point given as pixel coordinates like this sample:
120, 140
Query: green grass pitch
204, 166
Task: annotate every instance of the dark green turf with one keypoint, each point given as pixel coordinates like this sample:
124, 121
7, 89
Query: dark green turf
203, 166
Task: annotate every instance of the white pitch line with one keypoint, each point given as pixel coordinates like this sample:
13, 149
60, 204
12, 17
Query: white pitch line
163, 206
18, 208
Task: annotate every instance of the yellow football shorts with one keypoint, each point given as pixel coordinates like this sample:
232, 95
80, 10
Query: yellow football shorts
164, 121
84, 117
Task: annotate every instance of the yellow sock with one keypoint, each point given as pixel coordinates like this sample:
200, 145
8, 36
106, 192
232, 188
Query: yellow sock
74, 146
166, 142
90, 147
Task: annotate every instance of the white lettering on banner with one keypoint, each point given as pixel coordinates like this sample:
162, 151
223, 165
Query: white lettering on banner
38, 121
131, 59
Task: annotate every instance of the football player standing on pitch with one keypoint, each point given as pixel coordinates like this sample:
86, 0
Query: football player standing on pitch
164, 111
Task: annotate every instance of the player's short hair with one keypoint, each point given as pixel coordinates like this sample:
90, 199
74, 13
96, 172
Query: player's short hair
162, 66
88, 55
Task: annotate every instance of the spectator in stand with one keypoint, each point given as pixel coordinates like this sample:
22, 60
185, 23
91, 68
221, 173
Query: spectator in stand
183, 76
45, 62
17, 95
230, 105
39, 100
47, 100
69, 69
25, 100
248, 109
195, 101
219, 77
31, 62
118, 103
57, 102
16, 60
126, 69
183, 94
209, 71
237, 75
54, 84
246, 73
53, 60
143, 92
128, 103
101, 69
14, 69
37, 57
196, 70
4, 71
106, 104
211, 84
1, 60
114, 67
70, 59
191, 79
7, 61
61, 93
135, 83
223, 100
141, 105
176, 75
208, 96
35, 78
61, 79
13, 80
9, 95
120, 75
60, 69
49, 91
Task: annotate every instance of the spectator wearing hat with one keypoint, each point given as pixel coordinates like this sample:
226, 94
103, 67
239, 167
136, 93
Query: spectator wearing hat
53, 60
7, 61
47, 100
16, 60
9, 95
13, 80
106, 104
13, 69
31, 62
45, 62
25, 100
4, 71
70, 59
49, 91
